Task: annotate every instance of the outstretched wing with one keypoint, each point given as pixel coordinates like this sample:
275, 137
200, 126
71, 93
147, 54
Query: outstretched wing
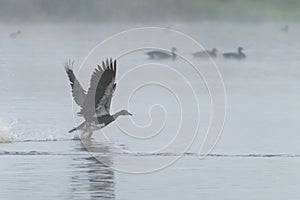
108, 102
78, 92
101, 90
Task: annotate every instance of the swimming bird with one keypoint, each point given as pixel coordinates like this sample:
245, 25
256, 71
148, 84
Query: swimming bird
14, 35
206, 53
285, 28
95, 103
162, 54
239, 55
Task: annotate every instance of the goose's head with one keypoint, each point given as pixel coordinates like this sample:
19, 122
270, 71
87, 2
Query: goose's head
240, 49
173, 50
125, 112
121, 113
214, 51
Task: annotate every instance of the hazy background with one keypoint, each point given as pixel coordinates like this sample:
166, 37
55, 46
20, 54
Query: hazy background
38, 11
258, 154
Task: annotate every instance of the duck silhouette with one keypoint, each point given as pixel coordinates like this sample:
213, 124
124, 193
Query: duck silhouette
158, 55
14, 35
235, 55
206, 53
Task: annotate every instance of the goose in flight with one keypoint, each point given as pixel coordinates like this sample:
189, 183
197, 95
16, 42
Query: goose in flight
95, 103
239, 55
158, 55
206, 53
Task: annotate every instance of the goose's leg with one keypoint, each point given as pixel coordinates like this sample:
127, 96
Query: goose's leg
84, 132
89, 130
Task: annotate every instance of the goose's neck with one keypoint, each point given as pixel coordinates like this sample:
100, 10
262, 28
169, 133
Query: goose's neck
117, 114
174, 54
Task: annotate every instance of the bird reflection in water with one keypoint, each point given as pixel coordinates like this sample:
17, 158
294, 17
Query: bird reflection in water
92, 178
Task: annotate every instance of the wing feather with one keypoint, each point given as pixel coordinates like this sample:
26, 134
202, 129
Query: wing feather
109, 98
101, 88
78, 92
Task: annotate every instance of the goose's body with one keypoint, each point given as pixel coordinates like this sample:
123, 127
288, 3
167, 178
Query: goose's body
285, 28
162, 54
233, 55
98, 123
14, 35
205, 54
95, 103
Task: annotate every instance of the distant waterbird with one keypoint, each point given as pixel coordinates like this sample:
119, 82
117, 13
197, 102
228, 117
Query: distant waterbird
158, 54
95, 103
235, 55
14, 35
206, 54
285, 29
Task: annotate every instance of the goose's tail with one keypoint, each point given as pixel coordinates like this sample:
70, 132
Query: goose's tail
80, 127
72, 130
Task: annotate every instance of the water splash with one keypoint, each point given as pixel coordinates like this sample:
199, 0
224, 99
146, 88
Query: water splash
6, 135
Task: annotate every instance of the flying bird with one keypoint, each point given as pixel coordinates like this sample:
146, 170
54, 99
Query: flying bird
95, 103
232, 55
158, 55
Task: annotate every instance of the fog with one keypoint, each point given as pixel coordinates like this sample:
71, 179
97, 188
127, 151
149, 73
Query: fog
174, 101
78, 11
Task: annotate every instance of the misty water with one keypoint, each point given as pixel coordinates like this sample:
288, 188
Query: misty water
257, 156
